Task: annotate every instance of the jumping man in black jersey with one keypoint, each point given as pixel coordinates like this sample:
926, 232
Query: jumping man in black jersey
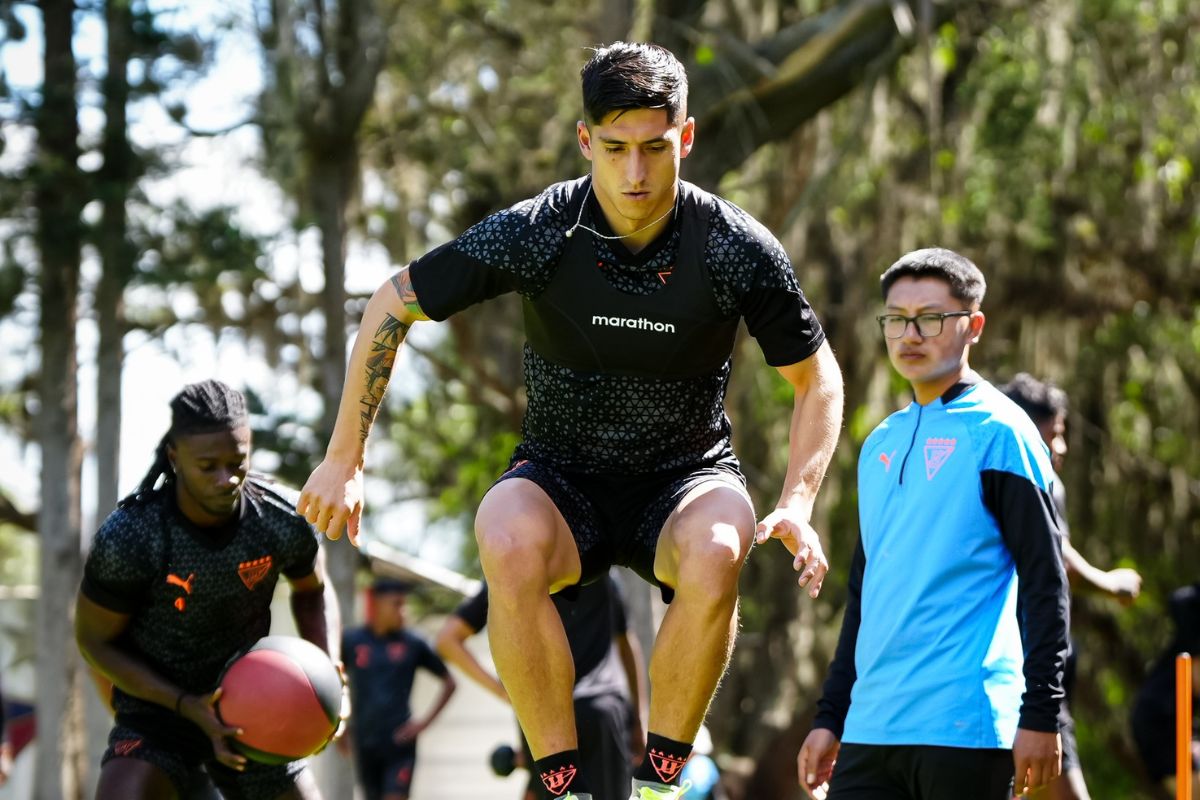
179, 580
633, 283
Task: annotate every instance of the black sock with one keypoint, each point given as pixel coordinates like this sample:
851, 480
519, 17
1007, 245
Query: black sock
664, 760
560, 773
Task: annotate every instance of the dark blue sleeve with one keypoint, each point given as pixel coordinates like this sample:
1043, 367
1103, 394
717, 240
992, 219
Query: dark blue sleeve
835, 695
1025, 514
430, 660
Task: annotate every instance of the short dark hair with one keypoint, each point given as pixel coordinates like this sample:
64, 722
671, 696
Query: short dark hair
1041, 400
965, 279
384, 585
626, 75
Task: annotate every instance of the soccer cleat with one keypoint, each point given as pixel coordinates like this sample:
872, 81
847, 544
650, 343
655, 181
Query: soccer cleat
665, 793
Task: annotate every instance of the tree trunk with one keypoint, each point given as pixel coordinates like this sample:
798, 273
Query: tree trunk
116, 179
330, 185
59, 202
115, 183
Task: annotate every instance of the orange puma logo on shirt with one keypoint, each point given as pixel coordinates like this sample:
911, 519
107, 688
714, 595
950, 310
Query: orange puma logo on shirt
186, 585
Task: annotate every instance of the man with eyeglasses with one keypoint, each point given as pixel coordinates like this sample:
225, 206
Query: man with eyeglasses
947, 676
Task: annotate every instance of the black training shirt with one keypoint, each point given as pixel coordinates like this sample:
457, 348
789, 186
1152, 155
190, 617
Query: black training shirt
195, 596
601, 408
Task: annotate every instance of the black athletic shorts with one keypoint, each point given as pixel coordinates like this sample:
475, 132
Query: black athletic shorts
921, 772
186, 755
616, 519
603, 724
386, 771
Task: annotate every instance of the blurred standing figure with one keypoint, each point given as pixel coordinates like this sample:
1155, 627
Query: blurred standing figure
1153, 717
608, 669
179, 580
1047, 405
939, 689
382, 659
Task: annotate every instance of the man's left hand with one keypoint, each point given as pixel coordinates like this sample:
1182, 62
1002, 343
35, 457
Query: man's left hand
408, 732
1037, 758
789, 527
637, 740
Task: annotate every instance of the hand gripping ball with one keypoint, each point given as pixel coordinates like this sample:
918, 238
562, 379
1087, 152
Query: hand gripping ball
285, 694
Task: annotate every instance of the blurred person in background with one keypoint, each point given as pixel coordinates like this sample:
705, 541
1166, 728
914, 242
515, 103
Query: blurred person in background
610, 690
1047, 405
1153, 718
382, 659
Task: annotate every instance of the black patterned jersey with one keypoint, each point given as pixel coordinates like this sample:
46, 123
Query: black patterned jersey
195, 596
605, 399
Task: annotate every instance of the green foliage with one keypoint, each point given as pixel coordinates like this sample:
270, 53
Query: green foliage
18, 557
1056, 145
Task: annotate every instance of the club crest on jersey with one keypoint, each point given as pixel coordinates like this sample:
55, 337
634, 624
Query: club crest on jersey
558, 780
667, 766
362, 656
937, 452
253, 572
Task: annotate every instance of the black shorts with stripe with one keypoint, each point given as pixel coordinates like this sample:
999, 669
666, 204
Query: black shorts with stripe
184, 753
616, 519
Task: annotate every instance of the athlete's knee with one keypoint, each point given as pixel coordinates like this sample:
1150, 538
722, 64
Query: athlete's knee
511, 529
710, 560
523, 545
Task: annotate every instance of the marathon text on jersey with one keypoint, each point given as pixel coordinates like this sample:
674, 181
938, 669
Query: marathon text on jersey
638, 323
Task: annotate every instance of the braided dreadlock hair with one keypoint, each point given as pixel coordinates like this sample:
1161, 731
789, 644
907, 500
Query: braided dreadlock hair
206, 407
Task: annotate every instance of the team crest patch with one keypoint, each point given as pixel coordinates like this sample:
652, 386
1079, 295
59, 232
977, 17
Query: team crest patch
937, 452
253, 572
666, 766
556, 782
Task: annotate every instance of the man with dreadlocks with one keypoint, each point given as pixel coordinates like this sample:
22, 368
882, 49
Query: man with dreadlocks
178, 581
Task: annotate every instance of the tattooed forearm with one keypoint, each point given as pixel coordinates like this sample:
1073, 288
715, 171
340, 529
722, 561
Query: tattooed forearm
402, 282
384, 345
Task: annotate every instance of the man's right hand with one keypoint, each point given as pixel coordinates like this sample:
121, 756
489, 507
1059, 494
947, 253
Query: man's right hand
332, 499
201, 710
815, 762
1124, 584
